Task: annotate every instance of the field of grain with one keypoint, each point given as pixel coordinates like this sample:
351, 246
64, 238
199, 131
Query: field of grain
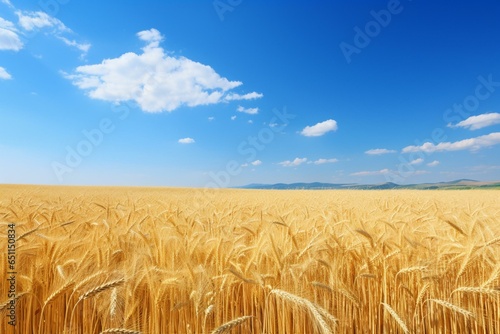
152, 260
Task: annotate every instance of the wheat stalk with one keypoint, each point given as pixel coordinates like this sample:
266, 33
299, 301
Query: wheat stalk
396, 317
317, 312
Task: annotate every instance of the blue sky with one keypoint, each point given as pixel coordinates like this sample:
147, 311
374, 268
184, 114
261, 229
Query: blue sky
231, 92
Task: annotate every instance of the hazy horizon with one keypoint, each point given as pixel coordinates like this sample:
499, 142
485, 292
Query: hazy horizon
230, 93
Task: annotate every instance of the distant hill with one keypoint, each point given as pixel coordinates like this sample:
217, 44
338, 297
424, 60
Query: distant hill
457, 184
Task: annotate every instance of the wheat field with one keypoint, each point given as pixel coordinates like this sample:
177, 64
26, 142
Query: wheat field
158, 260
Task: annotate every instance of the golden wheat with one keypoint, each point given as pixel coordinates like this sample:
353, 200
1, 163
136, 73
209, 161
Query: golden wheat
153, 260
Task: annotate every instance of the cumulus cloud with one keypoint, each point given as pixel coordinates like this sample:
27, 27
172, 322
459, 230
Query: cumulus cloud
9, 38
236, 97
472, 144
153, 37
295, 162
379, 151
324, 161
320, 128
7, 24
156, 81
251, 111
233, 118
370, 173
211, 118
433, 164
478, 122
4, 74
256, 163
416, 161
30, 21
186, 140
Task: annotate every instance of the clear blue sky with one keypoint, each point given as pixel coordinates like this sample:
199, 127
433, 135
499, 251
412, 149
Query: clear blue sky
230, 92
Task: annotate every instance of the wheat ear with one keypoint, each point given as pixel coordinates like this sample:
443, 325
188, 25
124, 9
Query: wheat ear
101, 288
317, 312
396, 317
7, 303
480, 290
58, 292
119, 331
231, 324
453, 307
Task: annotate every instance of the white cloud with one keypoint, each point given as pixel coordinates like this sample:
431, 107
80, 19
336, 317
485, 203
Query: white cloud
250, 121
249, 96
211, 118
9, 39
186, 140
256, 163
320, 128
152, 37
472, 144
156, 81
295, 162
7, 2
4, 74
369, 173
84, 47
251, 111
379, 151
30, 21
325, 161
7, 24
416, 161
433, 164
233, 118
478, 122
